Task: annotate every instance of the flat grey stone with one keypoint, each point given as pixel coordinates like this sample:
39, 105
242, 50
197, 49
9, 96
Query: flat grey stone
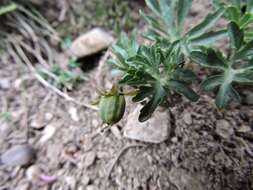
18, 155
90, 43
154, 130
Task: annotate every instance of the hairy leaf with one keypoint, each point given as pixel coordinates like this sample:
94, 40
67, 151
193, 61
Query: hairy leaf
208, 38
212, 82
236, 35
183, 89
206, 24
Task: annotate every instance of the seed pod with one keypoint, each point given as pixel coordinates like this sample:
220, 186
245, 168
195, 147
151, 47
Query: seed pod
112, 108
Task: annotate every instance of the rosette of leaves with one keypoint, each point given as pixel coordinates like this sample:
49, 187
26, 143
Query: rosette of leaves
154, 70
237, 67
168, 19
240, 12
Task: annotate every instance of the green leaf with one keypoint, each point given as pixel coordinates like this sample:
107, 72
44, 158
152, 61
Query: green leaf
233, 13
7, 8
208, 38
148, 109
250, 6
183, 89
236, 3
245, 51
206, 24
246, 77
209, 59
183, 9
246, 20
154, 6
184, 75
144, 92
212, 82
226, 93
236, 35
222, 97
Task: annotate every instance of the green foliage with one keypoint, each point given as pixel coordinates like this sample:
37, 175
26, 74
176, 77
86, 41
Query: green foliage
64, 77
155, 71
240, 12
158, 70
235, 68
5, 116
7, 8
168, 22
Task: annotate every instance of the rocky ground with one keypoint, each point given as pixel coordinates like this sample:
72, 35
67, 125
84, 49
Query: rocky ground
201, 148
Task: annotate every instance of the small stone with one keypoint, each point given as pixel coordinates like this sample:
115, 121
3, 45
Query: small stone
91, 187
5, 83
48, 133
154, 130
38, 123
224, 129
33, 173
187, 118
71, 182
48, 116
116, 132
243, 129
85, 180
73, 114
18, 155
90, 43
89, 159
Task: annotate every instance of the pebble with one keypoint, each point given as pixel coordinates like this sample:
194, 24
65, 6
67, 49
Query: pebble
73, 114
224, 129
116, 132
154, 130
243, 129
71, 182
90, 43
5, 83
91, 187
89, 159
187, 118
33, 173
85, 180
18, 155
48, 133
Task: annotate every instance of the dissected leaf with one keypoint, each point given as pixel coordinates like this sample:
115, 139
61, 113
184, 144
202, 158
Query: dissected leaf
208, 38
148, 109
206, 24
236, 35
183, 9
212, 82
209, 59
183, 89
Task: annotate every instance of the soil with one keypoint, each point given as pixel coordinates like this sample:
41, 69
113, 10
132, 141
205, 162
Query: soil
195, 157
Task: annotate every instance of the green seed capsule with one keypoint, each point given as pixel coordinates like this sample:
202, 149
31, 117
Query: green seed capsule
112, 108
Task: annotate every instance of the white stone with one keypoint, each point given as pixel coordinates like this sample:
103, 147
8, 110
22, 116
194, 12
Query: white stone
91, 42
89, 159
154, 130
224, 129
48, 133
